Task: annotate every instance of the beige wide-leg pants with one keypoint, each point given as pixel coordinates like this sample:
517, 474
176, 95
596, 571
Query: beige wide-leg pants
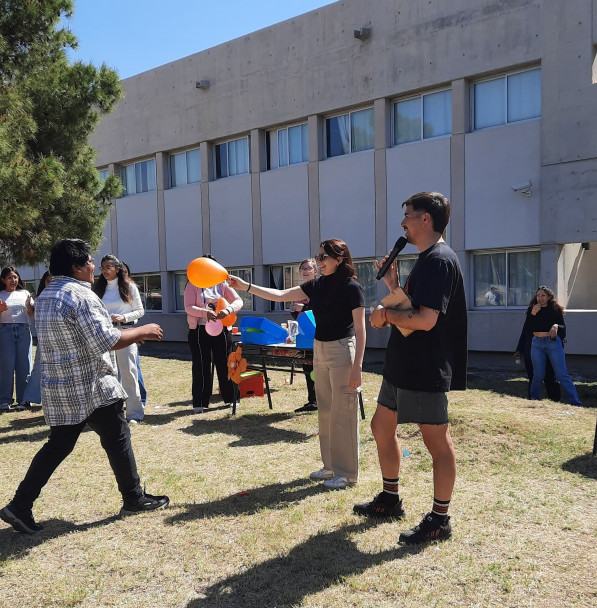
337, 407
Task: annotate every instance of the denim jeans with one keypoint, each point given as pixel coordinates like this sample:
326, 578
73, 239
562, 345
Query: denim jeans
142, 390
109, 423
543, 349
15, 360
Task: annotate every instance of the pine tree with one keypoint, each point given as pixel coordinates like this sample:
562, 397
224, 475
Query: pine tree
49, 187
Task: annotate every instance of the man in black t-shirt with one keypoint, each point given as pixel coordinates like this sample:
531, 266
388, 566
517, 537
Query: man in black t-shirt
426, 356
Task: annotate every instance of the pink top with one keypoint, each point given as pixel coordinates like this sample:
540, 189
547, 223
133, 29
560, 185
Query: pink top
196, 300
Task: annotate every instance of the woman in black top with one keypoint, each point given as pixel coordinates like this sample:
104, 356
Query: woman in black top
338, 305
545, 319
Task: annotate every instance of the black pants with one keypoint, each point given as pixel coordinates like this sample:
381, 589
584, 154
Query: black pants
204, 348
111, 426
312, 398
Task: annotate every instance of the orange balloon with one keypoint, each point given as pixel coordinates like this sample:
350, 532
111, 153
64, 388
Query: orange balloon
203, 272
228, 320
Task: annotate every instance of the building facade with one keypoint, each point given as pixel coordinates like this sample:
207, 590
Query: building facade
321, 126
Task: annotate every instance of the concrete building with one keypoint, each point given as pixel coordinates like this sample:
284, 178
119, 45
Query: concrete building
322, 125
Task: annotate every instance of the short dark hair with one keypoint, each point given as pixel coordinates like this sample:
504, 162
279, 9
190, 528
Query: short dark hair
66, 254
433, 203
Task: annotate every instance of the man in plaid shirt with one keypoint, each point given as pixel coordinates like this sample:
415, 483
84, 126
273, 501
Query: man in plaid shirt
79, 383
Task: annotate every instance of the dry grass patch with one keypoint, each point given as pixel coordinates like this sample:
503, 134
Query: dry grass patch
525, 525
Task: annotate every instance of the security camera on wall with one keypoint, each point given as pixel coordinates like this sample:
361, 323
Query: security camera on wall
523, 188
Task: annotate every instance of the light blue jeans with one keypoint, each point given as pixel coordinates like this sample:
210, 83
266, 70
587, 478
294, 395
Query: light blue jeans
15, 360
541, 350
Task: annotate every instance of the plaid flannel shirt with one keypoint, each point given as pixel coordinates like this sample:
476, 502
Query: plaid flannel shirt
75, 336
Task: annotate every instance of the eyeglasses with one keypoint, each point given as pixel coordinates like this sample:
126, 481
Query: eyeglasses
321, 257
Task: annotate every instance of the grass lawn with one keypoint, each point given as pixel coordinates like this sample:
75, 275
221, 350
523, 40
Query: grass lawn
524, 508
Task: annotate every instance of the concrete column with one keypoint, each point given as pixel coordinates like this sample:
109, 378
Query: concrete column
553, 273
383, 141
258, 160
161, 165
315, 129
207, 175
460, 126
113, 170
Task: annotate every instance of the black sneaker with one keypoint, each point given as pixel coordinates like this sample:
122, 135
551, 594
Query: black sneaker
379, 508
146, 503
308, 407
20, 521
430, 529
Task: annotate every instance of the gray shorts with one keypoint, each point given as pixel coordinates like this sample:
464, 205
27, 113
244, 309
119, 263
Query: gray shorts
414, 406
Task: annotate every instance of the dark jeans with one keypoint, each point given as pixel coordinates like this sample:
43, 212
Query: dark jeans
111, 426
203, 348
312, 398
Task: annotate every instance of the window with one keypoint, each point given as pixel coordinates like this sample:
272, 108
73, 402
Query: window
506, 99
246, 274
505, 278
283, 277
366, 273
150, 289
348, 133
405, 266
293, 145
180, 282
103, 175
185, 168
422, 117
138, 177
232, 158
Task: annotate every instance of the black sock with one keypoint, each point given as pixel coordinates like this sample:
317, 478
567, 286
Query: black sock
440, 509
390, 491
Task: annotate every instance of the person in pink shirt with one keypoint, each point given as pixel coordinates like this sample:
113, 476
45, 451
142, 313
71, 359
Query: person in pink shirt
200, 304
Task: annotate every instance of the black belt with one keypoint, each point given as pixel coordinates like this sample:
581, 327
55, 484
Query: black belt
123, 324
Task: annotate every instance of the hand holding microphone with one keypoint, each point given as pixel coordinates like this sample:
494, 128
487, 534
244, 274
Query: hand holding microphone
399, 245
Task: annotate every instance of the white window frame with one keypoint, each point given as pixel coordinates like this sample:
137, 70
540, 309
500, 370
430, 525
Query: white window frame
350, 138
274, 156
227, 143
504, 77
507, 251
171, 160
124, 180
421, 98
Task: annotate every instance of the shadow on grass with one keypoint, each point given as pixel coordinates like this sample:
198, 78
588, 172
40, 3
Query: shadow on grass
585, 465
274, 497
252, 429
324, 560
17, 545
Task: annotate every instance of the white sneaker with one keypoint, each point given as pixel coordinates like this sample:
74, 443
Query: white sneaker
338, 483
133, 421
197, 410
321, 475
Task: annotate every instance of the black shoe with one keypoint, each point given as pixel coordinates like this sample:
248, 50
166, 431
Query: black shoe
20, 521
146, 503
21, 407
431, 528
379, 508
308, 407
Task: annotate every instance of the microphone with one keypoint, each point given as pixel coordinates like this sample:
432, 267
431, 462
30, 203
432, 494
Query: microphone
399, 245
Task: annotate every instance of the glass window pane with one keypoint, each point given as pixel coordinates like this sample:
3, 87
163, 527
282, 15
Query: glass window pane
145, 176
193, 166
154, 292
221, 161
246, 274
489, 103
337, 135
437, 114
282, 148
103, 175
407, 121
140, 283
362, 130
490, 279
523, 277
524, 95
366, 274
238, 156
297, 153
405, 265
127, 177
180, 282
178, 170
305, 142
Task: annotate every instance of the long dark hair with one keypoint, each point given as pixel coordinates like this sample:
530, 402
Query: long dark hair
42, 282
551, 303
99, 287
6, 271
339, 250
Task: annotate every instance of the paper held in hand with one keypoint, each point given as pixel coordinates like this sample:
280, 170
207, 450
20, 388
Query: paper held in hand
398, 300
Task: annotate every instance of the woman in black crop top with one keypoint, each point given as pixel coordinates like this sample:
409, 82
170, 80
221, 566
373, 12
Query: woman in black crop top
545, 318
338, 305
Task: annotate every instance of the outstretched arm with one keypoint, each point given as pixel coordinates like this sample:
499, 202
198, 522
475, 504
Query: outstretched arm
267, 293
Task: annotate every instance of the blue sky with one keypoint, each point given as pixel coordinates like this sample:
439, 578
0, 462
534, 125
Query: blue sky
133, 36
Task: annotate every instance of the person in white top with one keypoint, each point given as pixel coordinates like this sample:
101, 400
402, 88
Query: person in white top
122, 299
15, 338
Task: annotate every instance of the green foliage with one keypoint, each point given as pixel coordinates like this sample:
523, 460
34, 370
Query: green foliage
49, 186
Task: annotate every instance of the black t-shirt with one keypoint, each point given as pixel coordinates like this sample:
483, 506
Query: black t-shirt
435, 360
332, 299
544, 319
